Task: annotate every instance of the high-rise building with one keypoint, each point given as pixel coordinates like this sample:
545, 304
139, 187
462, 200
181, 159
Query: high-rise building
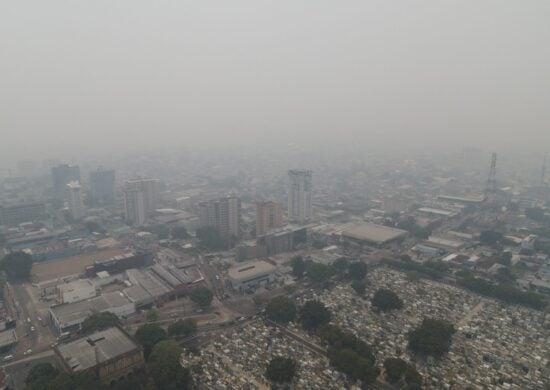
74, 199
14, 214
299, 195
134, 206
141, 197
61, 176
102, 185
269, 215
224, 214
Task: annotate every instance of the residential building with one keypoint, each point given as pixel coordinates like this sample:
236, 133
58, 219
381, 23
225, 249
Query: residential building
299, 195
224, 214
74, 199
141, 197
61, 176
102, 185
269, 215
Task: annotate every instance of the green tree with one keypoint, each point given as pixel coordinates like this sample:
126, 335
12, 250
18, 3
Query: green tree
183, 328
298, 266
99, 321
202, 296
148, 335
314, 314
432, 338
359, 286
413, 378
17, 266
93, 226
165, 368
180, 233
40, 376
357, 270
281, 370
340, 266
505, 259
161, 231
490, 237
71, 381
152, 315
281, 309
395, 369
209, 238
386, 300
349, 362
535, 213
318, 272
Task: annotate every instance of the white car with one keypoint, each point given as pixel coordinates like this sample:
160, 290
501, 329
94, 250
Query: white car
32, 329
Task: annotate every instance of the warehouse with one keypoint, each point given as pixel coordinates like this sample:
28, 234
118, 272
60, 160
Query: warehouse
368, 233
251, 275
69, 317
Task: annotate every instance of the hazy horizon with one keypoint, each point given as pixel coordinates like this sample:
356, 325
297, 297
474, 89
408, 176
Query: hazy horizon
97, 78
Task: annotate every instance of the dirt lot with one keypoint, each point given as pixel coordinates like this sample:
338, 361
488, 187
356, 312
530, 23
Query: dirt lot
70, 265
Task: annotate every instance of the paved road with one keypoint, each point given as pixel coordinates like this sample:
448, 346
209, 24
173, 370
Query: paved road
42, 335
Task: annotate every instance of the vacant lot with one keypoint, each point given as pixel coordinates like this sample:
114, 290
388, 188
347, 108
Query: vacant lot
70, 265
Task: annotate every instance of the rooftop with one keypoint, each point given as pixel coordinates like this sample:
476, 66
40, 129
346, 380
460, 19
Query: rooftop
250, 269
377, 234
96, 348
71, 312
7, 338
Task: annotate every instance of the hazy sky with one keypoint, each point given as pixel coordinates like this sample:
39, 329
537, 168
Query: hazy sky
80, 77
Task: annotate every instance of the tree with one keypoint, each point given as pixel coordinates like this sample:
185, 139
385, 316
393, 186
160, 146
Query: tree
148, 335
413, 378
535, 213
359, 286
318, 244
505, 259
161, 231
386, 300
17, 266
490, 237
354, 365
180, 233
202, 296
209, 238
281, 309
340, 266
281, 370
152, 315
93, 226
357, 270
183, 328
40, 376
79, 380
314, 314
349, 354
165, 368
318, 272
395, 369
99, 321
432, 338
298, 266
